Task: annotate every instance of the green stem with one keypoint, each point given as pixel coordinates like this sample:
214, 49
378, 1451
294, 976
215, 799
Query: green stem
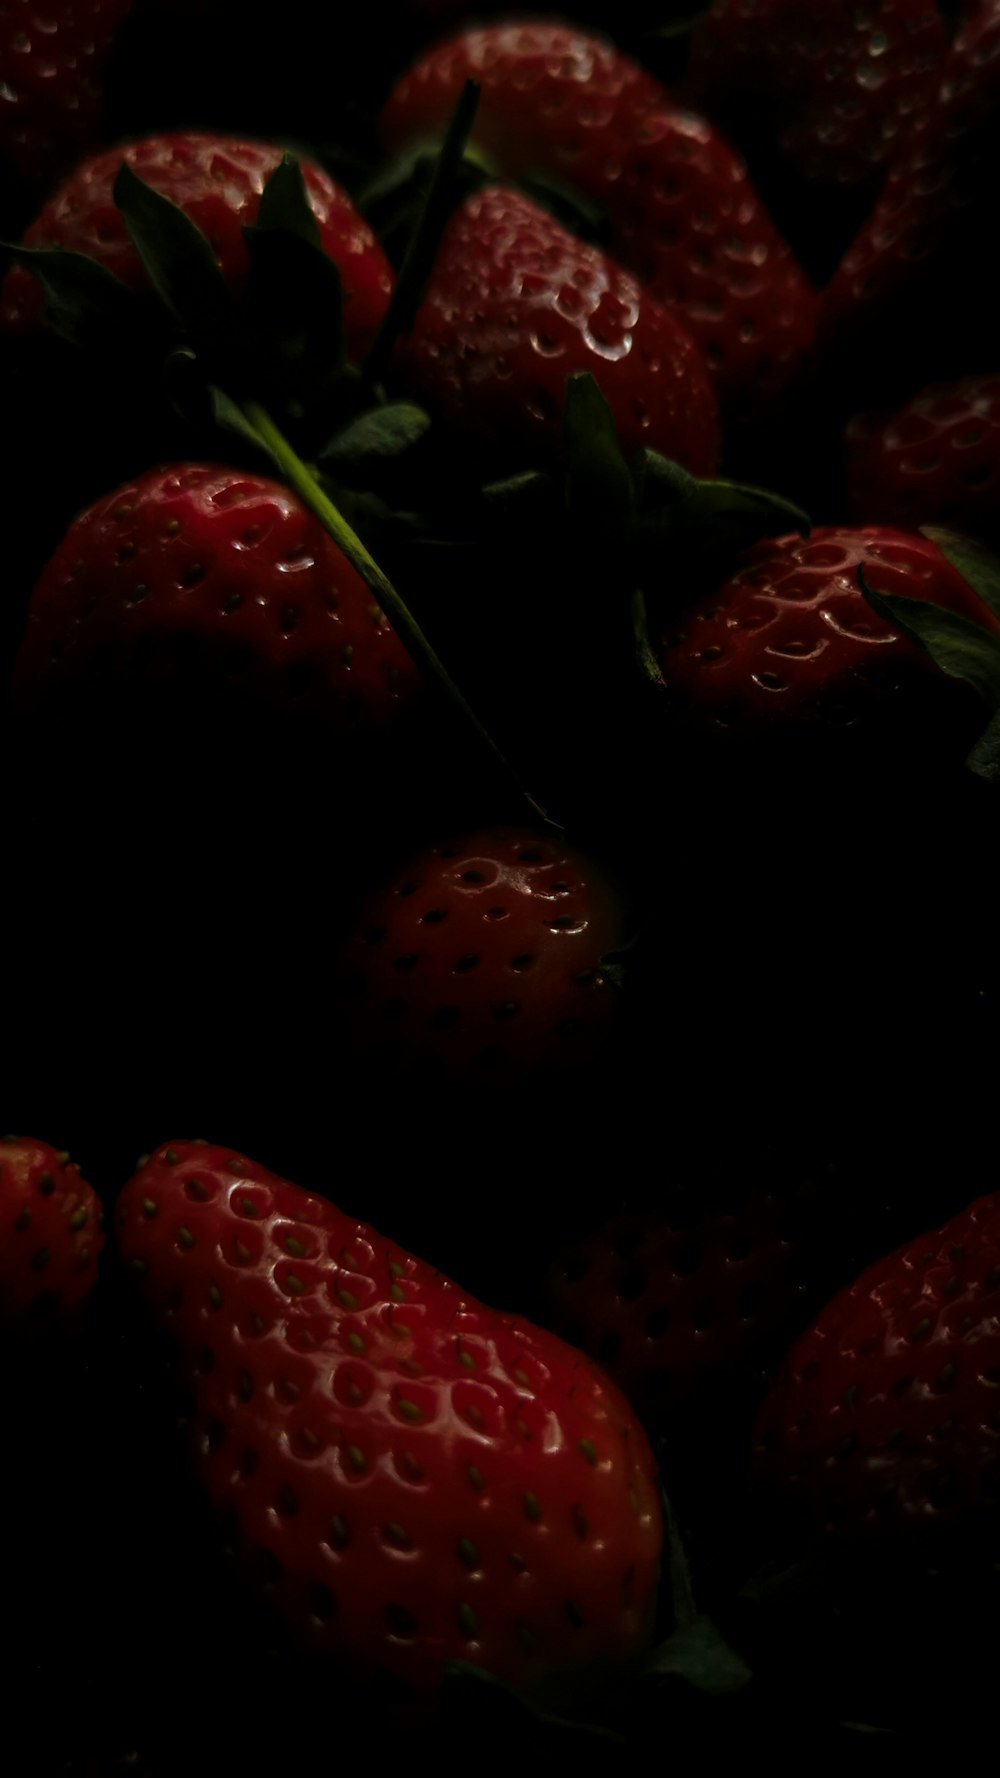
301, 478
648, 663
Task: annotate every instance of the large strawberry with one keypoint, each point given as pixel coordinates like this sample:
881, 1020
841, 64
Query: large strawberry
480, 961
411, 1476
935, 460
514, 304
197, 577
217, 180
682, 214
52, 1232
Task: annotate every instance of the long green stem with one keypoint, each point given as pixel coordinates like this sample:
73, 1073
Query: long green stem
407, 629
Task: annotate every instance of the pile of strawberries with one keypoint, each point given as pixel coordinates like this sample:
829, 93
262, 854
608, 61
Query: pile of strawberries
501, 648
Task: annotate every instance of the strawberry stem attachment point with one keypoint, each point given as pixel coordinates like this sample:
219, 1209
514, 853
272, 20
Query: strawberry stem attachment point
259, 424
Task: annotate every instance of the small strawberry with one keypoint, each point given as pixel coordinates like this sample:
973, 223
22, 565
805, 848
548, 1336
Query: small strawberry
410, 1476
676, 1300
928, 221
217, 181
935, 460
789, 642
514, 304
52, 65
682, 214
883, 1420
480, 960
52, 1232
835, 87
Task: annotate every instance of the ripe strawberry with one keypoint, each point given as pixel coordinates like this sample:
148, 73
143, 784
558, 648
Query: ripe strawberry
928, 220
52, 64
480, 960
835, 86
52, 1232
217, 181
413, 1477
199, 576
790, 641
682, 213
514, 304
934, 461
883, 1419
676, 1300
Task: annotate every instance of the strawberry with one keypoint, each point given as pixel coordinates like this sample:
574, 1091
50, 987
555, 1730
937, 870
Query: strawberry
936, 460
929, 220
514, 304
412, 1477
682, 214
835, 86
52, 65
674, 1301
882, 1420
195, 568
52, 1223
790, 642
217, 181
479, 961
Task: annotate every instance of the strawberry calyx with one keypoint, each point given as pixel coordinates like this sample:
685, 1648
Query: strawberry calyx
961, 647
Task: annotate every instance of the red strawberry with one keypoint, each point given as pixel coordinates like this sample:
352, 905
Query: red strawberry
481, 959
836, 86
884, 1417
413, 1476
514, 304
676, 1300
52, 1232
682, 213
199, 563
217, 181
929, 217
790, 640
934, 461
52, 63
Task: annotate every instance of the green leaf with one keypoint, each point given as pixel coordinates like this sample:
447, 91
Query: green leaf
984, 759
284, 202
699, 1655
380, 433
176, 256
598, 485
974, 562
85, 302
722, 516
962, 649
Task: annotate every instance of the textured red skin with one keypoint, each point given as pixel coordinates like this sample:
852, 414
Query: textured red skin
272, 579
360, 1500
671, 1305
791, 638
52, 1231
684, 217
52, 62
925, 199
217, 180
514, 304
408, 998
934, 461
879, 1422
843, 82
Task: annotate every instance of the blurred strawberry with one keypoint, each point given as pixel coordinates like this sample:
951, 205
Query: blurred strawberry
934, 461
